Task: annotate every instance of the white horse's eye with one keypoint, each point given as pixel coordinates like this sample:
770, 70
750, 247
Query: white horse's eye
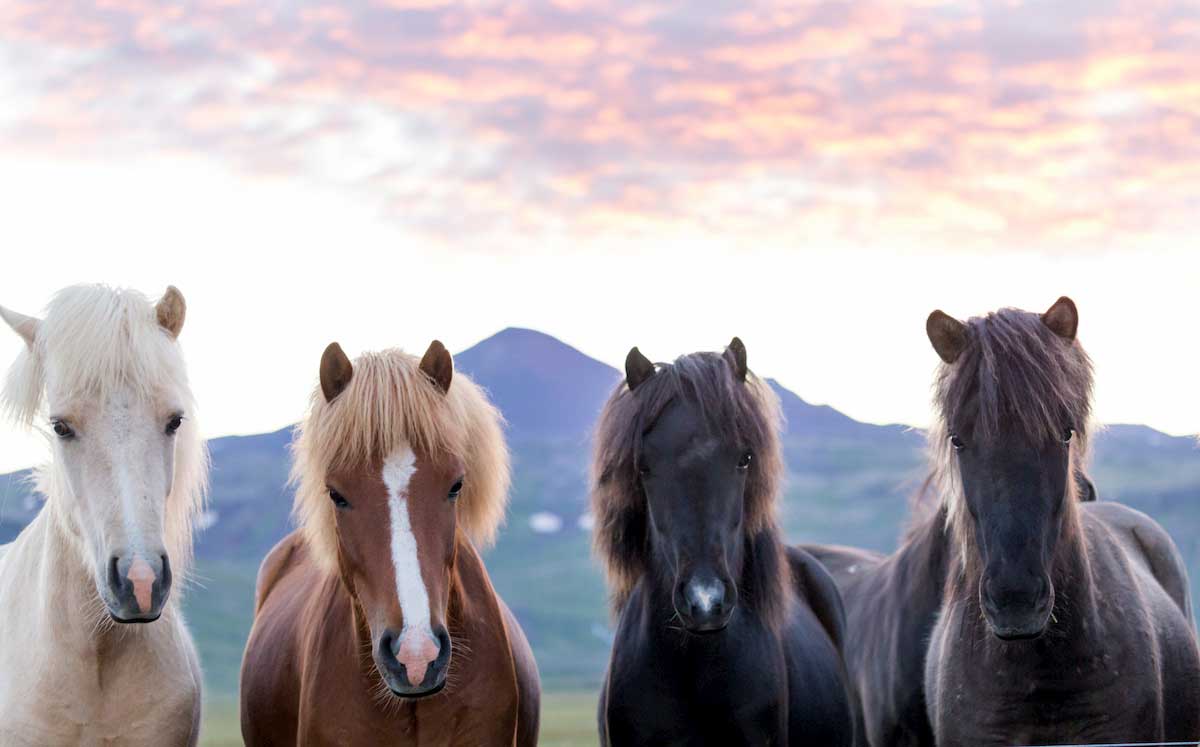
173, 424
62, 430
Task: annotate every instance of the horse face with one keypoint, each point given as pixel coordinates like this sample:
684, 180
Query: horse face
118, 456
695, 482
396, 526
1016, 493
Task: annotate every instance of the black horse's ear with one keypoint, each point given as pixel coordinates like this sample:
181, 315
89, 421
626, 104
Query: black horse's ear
638, 368
336, 371
948, 335
438, 365
737, 354
1062, 318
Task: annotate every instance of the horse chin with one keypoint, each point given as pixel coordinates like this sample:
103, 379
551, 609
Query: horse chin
1012, 630
418, 694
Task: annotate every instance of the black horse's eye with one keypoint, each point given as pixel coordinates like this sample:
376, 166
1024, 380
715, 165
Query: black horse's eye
643, 470
173, 424
62, 430
338, 499
1068, 433
455, 489
744, 461
957, 443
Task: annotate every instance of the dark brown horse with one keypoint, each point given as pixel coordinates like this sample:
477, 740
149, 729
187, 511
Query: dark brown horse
726, 636
376, 622
1063, 622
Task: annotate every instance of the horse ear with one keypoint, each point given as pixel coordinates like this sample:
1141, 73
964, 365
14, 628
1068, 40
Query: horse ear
737, 353
1062, 318
25, 326
170, 310
638, 368
336, 371
438, 365
948, 335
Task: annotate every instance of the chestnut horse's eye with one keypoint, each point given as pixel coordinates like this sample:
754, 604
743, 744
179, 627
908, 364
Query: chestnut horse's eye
62, 430
338, 499
957, 443
1068, 433
173, 424
455, 489
744, 461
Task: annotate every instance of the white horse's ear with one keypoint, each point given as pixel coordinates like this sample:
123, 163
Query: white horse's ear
170, 310
25, 326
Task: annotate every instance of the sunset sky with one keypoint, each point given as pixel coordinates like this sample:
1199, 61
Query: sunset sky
814, 177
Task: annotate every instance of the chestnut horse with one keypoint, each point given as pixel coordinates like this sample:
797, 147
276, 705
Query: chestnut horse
726, 636
376, 622
93, 647
1064, 622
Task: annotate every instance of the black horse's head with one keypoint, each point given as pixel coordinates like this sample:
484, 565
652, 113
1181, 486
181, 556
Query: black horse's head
1014, 399
688, 462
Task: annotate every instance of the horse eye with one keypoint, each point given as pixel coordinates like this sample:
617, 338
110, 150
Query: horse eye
744, 461
62, 430
1067, 435
173, 424
643, 470
957, 443
338, 499
455, 489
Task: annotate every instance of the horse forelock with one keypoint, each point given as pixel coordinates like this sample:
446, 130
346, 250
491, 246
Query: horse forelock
747, 412
391, 404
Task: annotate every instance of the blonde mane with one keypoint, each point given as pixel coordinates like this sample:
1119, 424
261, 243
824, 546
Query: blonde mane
93, 340
390, 403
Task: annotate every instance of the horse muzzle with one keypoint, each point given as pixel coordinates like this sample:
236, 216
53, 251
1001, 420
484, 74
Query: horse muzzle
1017, 614
137, 587
413, 663
705, 603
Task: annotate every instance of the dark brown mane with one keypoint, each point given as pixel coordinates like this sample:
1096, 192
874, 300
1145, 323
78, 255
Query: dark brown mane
747, 412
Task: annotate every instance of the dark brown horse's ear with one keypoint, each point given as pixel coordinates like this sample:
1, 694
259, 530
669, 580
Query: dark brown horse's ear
1062, 318
737, 353
948, 335
336, 371
638, 368
438, 365
170, 311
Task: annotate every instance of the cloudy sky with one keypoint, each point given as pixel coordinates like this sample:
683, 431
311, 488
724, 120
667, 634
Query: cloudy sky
815, 177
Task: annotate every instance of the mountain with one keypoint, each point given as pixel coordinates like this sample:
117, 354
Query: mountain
848, 482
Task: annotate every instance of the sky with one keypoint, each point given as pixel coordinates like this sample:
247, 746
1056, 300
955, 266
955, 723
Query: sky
813, 177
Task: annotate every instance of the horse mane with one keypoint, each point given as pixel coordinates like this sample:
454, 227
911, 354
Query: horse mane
1014, 372
748, 412
390, 403
93, 340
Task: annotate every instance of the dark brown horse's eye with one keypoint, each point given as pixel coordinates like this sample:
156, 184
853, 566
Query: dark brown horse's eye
338, 499
455, 489
1067, 435
957, 443
173, 424
62, 430
744, 460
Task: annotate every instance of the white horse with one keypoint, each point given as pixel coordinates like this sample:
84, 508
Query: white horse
127, 475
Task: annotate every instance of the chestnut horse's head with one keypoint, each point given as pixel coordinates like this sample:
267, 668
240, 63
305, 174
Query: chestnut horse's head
398, 462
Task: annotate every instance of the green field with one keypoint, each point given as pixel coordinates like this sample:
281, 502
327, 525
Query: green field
568, 720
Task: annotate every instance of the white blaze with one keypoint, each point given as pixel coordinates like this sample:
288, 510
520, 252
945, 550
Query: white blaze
398, 470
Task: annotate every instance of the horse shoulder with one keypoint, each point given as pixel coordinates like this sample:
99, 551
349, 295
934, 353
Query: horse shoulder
278, 560
1145, 539
528, 680
815, 585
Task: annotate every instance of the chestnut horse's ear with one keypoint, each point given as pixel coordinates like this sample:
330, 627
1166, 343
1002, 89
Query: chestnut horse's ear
336, 371
638, 368
25, 326
170, 311
438, 365
737, 353
1062, 318
948, 335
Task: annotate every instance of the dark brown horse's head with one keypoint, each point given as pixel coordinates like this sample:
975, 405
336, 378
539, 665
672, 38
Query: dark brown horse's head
1014, 401
396, 509
687, 467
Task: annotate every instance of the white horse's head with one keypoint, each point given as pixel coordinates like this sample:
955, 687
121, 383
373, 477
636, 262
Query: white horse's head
104, 373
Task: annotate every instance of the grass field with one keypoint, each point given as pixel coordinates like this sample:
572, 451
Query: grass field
568, 720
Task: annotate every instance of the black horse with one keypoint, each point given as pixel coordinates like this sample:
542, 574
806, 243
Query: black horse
725, 636
1063, 622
